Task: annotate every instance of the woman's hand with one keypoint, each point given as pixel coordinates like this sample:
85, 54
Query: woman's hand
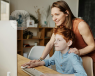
74, 50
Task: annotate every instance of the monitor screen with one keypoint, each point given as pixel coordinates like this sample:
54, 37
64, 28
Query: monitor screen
8, 48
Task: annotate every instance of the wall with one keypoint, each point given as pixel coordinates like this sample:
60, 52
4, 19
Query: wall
28, 5
87, 11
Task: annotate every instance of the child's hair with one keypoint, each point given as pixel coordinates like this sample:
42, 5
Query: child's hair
65, 32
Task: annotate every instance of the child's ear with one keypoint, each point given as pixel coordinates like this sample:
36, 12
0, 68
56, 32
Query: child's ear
69, 42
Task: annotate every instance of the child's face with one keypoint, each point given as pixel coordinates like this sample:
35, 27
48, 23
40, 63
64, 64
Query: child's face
60, 43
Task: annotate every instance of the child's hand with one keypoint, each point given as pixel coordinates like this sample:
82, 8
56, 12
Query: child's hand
28, 63
32, 65
74, 50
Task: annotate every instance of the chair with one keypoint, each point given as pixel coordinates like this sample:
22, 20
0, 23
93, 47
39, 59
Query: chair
36, 52
88, 65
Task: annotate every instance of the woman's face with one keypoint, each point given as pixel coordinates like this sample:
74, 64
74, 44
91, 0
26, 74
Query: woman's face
58, 16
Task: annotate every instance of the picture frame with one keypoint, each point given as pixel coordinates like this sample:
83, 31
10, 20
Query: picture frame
30, 23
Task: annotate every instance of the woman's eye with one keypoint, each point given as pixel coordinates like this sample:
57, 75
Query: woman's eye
57, 14
51, 16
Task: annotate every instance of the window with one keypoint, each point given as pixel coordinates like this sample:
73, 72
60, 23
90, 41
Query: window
4, 10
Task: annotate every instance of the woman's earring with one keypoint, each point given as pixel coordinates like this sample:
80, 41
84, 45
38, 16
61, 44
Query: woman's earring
66, 15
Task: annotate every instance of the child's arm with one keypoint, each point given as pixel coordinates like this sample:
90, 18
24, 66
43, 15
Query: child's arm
46, 62
77, 65
40, 63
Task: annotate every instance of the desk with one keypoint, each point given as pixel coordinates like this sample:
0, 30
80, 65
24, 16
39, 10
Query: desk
21, 60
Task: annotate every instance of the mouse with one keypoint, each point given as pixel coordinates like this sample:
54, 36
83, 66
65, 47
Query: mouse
24, 66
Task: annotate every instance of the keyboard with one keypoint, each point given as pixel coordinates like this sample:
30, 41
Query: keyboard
32, 71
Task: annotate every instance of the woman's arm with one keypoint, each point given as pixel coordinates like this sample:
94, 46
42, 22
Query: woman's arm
48, 47
88, 38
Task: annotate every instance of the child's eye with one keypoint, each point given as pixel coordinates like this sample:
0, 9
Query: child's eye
59, 40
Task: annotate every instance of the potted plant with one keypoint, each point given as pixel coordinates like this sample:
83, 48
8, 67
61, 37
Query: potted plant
35, 19
27, 35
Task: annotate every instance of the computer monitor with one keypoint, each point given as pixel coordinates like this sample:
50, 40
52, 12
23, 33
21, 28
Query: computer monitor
8, 48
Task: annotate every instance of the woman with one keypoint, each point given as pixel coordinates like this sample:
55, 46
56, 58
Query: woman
62, 16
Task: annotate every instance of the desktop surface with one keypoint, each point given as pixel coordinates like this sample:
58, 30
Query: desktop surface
22, 60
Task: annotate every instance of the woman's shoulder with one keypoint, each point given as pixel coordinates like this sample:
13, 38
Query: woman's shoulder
83, 26
77, 20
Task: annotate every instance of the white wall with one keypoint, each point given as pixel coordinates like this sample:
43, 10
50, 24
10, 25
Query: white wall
28, 5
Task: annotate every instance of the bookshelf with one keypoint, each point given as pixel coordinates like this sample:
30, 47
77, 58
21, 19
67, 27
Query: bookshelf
43, 40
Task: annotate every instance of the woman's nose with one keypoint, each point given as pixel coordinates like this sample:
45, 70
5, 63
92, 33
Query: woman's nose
54, 18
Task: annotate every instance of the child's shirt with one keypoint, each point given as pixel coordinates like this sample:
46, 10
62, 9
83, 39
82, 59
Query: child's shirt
66, 63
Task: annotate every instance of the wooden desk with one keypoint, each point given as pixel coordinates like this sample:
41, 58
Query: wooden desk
21, 60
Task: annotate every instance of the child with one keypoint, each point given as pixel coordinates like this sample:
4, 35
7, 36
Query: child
66, 64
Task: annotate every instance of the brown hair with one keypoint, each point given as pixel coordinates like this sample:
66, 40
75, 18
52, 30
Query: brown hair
63, 6
65, 32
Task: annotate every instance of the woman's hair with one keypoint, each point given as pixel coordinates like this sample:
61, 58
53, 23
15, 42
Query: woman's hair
63, 6
65, 32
